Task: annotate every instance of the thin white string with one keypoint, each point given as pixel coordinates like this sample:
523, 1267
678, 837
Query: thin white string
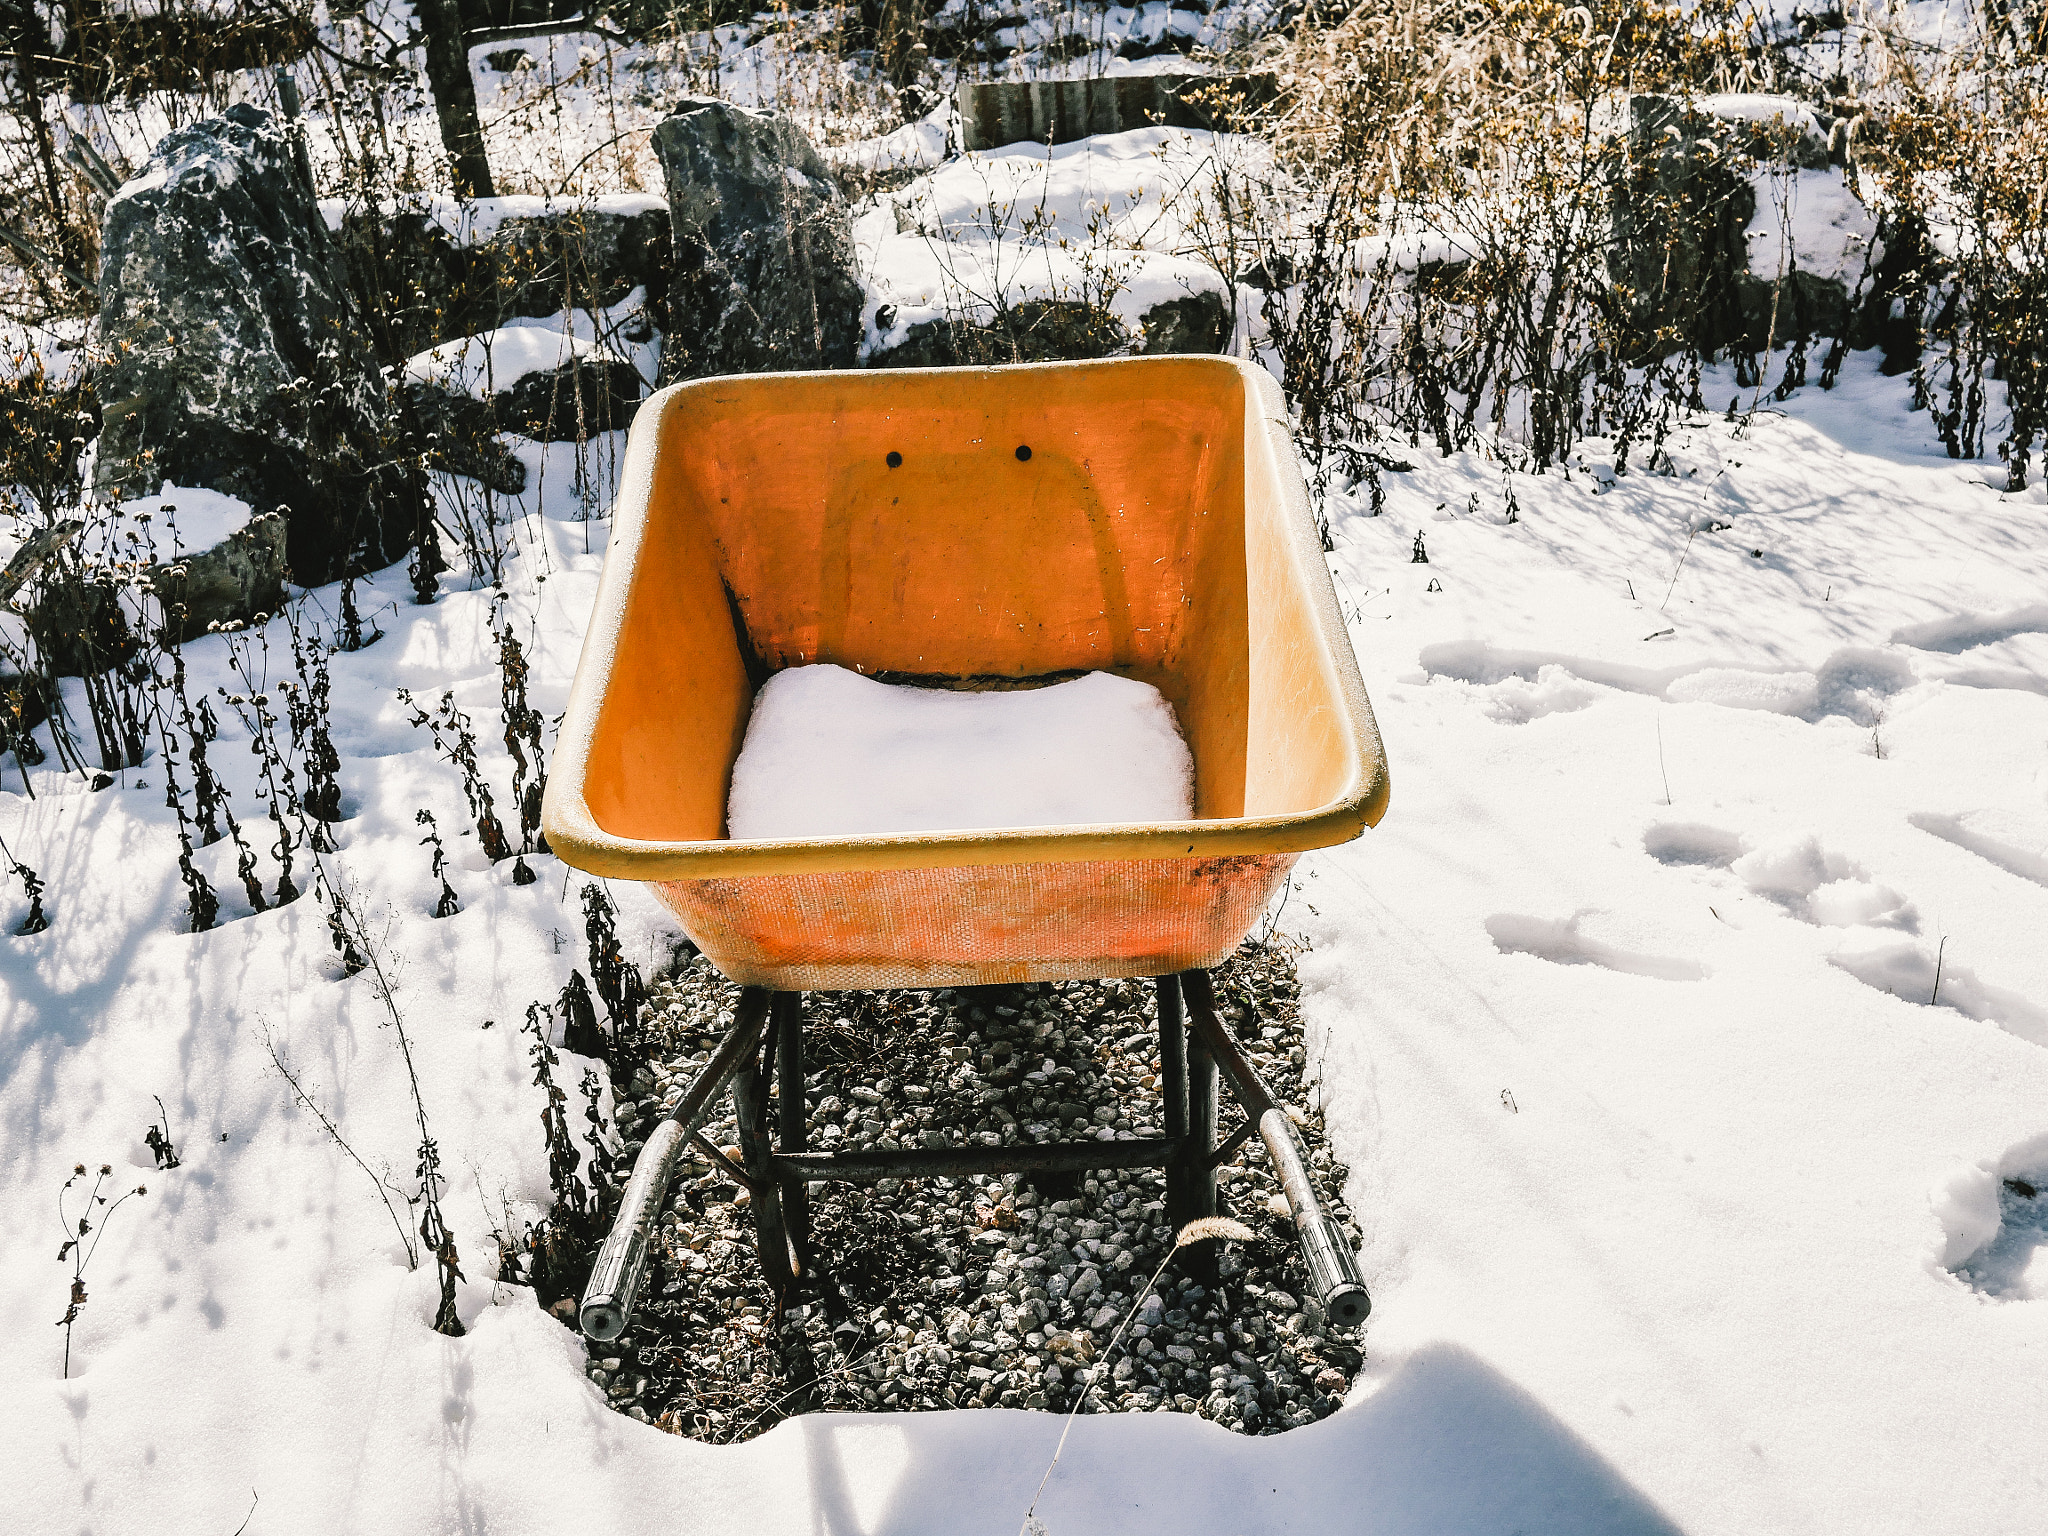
1193, 1232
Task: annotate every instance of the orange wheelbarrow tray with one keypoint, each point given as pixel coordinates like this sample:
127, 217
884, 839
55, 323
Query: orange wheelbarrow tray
993, 527
966, 528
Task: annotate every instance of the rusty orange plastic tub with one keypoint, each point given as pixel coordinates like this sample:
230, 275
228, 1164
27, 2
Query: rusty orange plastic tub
891, 522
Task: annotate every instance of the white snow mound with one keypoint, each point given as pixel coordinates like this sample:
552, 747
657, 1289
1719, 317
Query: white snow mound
1811, 221
178, 519
830, 753
1965, 1202
487, 364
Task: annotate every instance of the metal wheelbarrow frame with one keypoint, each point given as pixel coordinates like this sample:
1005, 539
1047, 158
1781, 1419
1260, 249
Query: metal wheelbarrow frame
966, 528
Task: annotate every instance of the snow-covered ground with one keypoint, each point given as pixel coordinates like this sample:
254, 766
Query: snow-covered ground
1682, 1190
1685, 1024
1629, 999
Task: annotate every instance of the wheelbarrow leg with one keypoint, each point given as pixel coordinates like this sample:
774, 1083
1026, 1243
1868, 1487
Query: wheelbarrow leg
791, 1115
1173, 1091
750, 1110
1200, 1261
1201, 1125
1187, 1082
1332, 1267
621, 1265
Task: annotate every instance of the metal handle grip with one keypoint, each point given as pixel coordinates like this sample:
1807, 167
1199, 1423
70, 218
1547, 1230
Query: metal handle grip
622, 1262
1332, 1267
621, 1265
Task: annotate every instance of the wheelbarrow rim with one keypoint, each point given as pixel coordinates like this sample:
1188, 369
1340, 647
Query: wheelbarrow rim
576, 836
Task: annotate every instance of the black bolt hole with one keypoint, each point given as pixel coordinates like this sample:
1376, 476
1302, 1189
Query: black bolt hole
1023, 452
895, 460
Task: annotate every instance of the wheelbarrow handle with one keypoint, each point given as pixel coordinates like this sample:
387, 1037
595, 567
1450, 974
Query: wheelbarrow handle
621, 1265
1332, 1266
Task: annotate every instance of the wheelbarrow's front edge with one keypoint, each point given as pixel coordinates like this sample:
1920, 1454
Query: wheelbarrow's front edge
974, 924
686, 607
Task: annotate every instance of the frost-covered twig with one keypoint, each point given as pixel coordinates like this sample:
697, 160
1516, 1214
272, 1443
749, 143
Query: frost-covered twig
433, 1226
75, 1246
299, 1092
458, 746
1202, 1229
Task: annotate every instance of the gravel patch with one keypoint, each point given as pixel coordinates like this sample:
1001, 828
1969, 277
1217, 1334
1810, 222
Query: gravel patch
978, 1292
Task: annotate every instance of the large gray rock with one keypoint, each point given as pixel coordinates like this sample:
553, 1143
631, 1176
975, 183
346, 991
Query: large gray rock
576, 399
764, 276
459, 436
1199, 322
235, 360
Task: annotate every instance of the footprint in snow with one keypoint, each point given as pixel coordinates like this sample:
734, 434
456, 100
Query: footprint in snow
1517, 701
1829, 890
1994, 1223
1518, 686
2015, 845
1963, 634
1559, 941
1810, 882
1823, 888
1934, 980
1967, 631
1692, 842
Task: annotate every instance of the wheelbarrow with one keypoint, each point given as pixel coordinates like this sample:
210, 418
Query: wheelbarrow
965, 528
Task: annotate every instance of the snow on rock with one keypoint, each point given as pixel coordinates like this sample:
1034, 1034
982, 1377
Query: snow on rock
497, 361
1764, 110
1054, 41
1753, 124
175, 520
1810, 221
830, 753
206, 559
211, 559
914, 146
1101, 225
543, 380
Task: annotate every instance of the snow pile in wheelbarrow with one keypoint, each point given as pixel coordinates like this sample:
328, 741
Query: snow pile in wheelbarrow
830, 753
